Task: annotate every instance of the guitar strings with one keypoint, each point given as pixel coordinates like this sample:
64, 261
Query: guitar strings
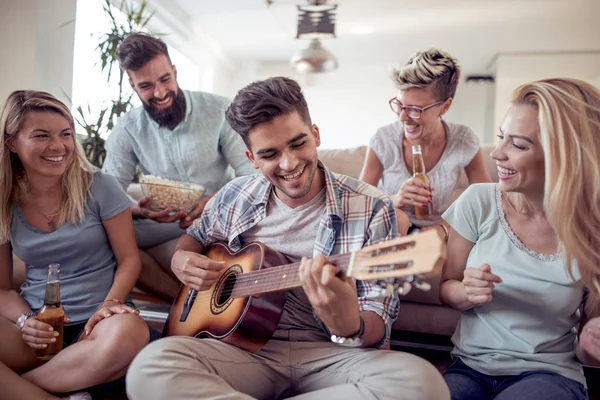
271, 277
266, 279
270, 271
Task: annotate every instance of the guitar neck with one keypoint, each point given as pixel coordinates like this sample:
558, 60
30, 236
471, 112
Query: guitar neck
283, 277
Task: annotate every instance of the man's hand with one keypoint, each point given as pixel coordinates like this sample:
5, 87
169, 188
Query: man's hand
333, 298
479, 283
195, 270
589, 339
186, 221
142, 210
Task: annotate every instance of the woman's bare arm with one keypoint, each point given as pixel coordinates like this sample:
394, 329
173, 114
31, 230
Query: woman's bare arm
372, 168
452, 290
13, 304
476, 170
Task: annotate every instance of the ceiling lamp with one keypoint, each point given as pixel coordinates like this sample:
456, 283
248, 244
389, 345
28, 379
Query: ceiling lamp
315, 21
315, 58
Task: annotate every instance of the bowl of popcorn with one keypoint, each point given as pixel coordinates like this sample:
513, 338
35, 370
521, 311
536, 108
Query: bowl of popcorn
165, 193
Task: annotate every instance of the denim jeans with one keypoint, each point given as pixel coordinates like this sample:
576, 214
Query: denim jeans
465, 383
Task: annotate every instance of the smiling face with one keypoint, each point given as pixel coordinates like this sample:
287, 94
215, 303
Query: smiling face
285, 151
421, 129
44, 144
519, 154
156, 85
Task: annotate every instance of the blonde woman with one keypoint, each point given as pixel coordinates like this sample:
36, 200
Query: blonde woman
54, 209
522, 248
426, 87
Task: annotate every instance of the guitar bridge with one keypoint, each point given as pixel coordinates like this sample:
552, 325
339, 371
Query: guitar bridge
187, 304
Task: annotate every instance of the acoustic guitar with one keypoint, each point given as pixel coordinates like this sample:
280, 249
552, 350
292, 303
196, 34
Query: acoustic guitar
244, 305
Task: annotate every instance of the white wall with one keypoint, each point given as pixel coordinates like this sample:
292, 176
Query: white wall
513, 70
349, 104
181, 32
37, 46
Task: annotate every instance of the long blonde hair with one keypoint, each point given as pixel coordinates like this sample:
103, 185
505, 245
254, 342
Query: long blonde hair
75, 181
569, 118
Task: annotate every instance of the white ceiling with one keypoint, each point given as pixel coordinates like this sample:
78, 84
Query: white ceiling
474, 31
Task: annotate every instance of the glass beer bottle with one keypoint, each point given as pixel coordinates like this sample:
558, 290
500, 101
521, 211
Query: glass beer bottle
52, 313
421, 212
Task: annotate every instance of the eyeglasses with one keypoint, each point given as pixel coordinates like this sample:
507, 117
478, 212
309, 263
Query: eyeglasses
412, 111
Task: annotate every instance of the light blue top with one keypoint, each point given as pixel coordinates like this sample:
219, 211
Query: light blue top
530, 323
202, 149
87, 262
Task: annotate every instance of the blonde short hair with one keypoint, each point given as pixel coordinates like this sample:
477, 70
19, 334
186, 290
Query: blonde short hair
569, 119
76, 180
431, 68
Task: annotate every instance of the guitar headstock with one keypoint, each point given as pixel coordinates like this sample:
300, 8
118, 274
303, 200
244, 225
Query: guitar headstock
402, 260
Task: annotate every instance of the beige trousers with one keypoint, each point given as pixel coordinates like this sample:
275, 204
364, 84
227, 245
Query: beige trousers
189, 368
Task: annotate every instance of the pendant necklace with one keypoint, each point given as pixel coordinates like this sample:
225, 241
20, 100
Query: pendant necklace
50, 218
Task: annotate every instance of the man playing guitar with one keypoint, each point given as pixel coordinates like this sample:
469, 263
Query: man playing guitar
325, 342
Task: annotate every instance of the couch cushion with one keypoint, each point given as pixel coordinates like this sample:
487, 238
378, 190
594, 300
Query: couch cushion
426, 318
344, 161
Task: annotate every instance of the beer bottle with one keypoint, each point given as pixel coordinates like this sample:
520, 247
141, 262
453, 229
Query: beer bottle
52, 313
419, 172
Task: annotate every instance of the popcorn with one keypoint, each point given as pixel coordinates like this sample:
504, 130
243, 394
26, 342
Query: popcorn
164, 193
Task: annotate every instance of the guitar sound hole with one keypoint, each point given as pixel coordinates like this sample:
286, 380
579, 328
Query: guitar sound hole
226, 289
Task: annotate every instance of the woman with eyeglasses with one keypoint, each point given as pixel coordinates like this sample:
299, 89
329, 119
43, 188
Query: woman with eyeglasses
426, 87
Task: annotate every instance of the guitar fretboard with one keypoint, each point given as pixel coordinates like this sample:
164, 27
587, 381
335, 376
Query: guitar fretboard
283, 277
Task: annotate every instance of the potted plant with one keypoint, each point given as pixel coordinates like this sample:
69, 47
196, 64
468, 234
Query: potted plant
133, 19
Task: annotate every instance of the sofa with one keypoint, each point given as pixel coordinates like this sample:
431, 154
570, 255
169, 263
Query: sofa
420, 312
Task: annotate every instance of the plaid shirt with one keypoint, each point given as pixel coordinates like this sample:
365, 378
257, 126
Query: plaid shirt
357, 215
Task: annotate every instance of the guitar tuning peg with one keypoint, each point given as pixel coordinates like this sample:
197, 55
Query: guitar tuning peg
387, 287
404, 289
422, 285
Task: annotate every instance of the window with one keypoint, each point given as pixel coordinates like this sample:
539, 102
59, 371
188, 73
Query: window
89, 82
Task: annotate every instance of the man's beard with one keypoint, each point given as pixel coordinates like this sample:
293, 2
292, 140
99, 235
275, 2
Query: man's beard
168, 117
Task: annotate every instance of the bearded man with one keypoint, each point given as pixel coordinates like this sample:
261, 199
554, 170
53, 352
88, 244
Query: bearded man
178, 135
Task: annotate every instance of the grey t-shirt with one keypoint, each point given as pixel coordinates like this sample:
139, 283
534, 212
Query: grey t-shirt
300, 225
87, 262
530, 322
461, 147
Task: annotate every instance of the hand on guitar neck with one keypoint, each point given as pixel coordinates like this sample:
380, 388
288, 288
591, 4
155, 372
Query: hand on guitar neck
238, 296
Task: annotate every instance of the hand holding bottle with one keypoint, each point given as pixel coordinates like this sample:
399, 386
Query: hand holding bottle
412, 192
39, 335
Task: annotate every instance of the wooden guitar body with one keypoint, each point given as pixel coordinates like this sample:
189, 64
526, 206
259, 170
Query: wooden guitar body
246, 322
244, 305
